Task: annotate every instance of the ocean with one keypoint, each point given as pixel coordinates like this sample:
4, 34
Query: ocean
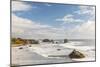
86, 46
38, 54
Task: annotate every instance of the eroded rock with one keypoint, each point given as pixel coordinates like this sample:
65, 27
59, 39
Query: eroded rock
76, 54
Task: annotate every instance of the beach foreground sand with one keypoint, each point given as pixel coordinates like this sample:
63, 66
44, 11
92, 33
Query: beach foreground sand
27, 57
33, 54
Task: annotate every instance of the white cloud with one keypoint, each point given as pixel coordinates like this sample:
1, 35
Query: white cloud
86, 10
84, 31
88, 27
20, 6
25, 28
69, 19
26, 23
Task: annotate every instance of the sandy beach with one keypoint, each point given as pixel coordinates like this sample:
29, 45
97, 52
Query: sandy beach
26, 57
48, 53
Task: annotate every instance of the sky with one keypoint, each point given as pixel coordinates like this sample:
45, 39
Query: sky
34, 20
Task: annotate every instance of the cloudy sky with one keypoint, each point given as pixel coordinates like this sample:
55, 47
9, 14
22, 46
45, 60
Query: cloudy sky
55, 21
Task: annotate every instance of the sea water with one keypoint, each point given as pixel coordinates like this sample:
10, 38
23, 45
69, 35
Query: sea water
86, 46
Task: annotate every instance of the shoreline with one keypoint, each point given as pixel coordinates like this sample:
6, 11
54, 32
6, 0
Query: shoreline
39, 54
25, 56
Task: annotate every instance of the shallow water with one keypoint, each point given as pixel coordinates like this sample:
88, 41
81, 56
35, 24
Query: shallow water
87, 47
34, 56
26, 57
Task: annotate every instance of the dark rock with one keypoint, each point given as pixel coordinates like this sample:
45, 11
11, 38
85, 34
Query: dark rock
76, 54
65, 40
58, 49
30, 46
21, 48
46, 40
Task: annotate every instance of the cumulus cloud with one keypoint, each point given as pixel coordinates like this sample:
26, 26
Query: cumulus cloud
83, 11
87, 29
69, 19
20, 6
84, 31
26, 28
86, 10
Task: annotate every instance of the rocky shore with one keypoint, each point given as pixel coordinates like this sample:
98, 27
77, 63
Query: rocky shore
24, 55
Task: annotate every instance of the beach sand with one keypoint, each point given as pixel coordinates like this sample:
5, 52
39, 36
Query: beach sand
27, 57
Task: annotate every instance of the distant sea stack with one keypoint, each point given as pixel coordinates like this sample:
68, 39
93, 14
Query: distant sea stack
76, 54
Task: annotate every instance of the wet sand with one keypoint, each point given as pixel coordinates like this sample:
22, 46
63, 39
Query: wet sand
26, 57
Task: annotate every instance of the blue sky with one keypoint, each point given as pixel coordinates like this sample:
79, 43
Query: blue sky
59, 16
48, 14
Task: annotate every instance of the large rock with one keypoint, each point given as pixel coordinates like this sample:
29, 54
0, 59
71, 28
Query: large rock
76, 54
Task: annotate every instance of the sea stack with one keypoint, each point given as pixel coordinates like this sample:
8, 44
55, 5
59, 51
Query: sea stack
76, 54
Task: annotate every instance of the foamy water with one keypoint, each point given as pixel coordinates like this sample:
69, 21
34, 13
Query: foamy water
85, 47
